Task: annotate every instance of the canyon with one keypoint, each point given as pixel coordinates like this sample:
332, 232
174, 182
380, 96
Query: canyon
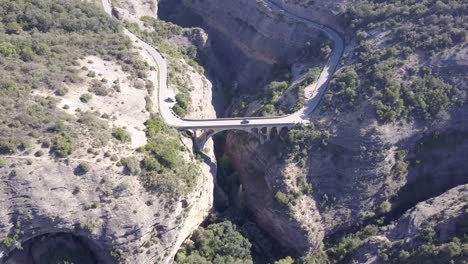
349, 176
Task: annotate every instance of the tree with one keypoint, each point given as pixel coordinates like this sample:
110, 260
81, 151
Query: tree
63, 146
451, 249
282, 199
385, 207
8, 50
13, 28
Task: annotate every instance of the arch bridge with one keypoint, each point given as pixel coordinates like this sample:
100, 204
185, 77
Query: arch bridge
262, 132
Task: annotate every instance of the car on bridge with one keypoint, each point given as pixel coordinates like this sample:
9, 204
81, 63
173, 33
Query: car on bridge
244, 122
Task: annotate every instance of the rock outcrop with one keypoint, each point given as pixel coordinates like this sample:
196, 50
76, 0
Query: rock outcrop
436, 220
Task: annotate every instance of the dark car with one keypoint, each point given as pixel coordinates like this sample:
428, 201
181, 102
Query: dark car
170, 100
245, 121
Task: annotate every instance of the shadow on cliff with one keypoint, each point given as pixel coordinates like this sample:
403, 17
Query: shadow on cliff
39, 239
437, 162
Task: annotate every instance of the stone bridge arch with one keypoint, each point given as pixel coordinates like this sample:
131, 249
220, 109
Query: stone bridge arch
262, 133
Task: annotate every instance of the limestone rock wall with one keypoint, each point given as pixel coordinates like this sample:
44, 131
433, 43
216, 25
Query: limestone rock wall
250, 38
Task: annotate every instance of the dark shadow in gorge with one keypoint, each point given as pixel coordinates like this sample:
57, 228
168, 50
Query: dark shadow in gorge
222, 64
437, 164
53, 248
230, 205
212, 60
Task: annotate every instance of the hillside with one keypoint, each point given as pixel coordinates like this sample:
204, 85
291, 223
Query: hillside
86, 164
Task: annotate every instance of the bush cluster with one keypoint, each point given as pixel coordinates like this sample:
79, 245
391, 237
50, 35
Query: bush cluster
121, 134
271, 99
164, 168
182, 106
218, 243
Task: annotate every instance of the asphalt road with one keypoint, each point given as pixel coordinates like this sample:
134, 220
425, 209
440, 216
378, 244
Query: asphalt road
299, 117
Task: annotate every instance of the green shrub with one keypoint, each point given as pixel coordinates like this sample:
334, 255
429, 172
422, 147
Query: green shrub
154, 127
88, 226
63, 146
451, 249
166, 152
61, 91
13, 28
385, 207
8, 49
182, 105
121, 134
164, 168
27, 54
312, 75
282, 199
7, 147
413, 28
130, 166
3, 163
98, 88
179, 111
83, 168
117, 253
8, 241
151, 164
39, 52
301, 140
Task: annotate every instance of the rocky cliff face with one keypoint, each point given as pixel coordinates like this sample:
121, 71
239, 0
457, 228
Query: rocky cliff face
430, 224
261, 176
138, 8
367, 170
249, 38
351, 177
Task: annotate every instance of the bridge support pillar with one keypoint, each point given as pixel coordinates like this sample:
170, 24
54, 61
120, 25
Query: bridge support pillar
263, 134
199, 141
268, 133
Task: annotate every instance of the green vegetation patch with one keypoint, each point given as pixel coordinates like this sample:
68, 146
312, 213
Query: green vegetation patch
121, 134
342, 89
182, 106
301, 140
164, 168
40, 45
271, 99
396, 87
218, 243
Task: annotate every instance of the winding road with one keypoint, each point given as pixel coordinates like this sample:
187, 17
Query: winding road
302, 116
